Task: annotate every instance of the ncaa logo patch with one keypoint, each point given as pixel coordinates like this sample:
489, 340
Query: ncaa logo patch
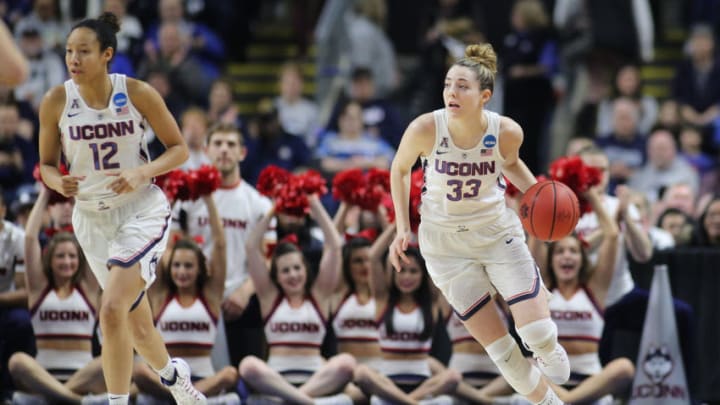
489, 141
120, 99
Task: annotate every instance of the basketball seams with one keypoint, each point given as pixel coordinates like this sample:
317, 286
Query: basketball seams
554, 212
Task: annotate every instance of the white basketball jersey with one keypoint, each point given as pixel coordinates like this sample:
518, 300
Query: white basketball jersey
98, 142
464, 188
240, 208
578, 318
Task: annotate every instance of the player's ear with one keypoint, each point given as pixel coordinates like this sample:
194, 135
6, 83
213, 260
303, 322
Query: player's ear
485, 94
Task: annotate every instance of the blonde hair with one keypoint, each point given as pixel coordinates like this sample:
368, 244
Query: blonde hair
481, 59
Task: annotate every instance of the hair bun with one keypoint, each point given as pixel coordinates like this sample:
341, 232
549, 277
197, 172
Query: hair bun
111, 20
484, 54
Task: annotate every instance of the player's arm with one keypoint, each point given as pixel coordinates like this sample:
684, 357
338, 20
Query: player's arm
49, 141
151, 105
418, 140
15, 66
509, 141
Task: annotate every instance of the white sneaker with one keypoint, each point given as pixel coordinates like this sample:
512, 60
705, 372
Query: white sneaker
95, 399
555, 366
182, 389
226, 399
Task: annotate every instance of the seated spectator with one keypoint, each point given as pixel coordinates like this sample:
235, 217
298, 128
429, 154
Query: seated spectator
660, 238
693, 150
380, 117
663, 168
627, 84
46, 19
13, 128
678, 195
669, 116
678, 224
352, 146
58, 280
172, 55
295, 370
221, 106
625, 146
273, 146
46, 67
370, 46
204, 43
14, 315
129, 38
159, 79
298, 115
696, 85
194, 127
707, 232
189, 289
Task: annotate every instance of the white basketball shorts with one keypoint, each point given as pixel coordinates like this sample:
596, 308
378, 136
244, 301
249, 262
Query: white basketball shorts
136, 232
469, 267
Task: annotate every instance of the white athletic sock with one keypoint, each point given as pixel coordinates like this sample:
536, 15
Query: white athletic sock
168, 372
118, 399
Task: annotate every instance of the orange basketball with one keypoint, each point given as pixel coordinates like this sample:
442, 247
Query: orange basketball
549, 210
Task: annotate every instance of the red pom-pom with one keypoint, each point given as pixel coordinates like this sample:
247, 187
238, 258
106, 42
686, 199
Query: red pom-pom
271, 180
417, 182
510, 189
175, 185
346, 185
292, 199
203, 181
311, 182
573, 172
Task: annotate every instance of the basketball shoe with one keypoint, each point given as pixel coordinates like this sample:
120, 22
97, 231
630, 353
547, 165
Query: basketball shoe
555, 365
182, 389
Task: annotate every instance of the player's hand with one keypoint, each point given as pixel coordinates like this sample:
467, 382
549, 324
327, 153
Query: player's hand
70, 184
236, 303
127, 180
397, 250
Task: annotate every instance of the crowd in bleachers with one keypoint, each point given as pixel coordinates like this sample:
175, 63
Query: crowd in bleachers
306, 309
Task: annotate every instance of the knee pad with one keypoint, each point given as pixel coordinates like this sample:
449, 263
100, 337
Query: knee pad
516, 369
540, 336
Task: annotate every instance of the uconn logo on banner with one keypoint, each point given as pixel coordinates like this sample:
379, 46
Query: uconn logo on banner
657, 365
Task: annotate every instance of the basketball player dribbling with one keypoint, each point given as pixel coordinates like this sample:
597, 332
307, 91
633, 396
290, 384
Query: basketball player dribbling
97, 121
472, 243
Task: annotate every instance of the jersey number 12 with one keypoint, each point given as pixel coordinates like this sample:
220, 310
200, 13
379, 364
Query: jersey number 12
104, 163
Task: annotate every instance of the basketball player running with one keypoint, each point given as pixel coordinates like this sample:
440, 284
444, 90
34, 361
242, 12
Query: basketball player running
97, 120
473, 244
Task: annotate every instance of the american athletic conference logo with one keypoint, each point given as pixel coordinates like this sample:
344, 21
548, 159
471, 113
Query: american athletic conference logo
657, 365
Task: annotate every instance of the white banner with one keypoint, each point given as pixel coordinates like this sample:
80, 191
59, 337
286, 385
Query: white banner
660, 374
